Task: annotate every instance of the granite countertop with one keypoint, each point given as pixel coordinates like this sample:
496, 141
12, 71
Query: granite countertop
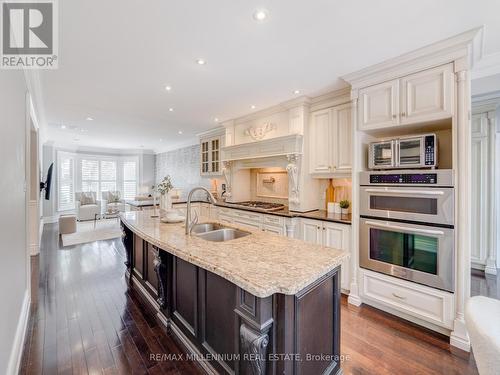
140, 203
316, 214
261, 263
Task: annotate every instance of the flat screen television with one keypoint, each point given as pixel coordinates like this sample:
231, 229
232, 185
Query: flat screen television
48, 182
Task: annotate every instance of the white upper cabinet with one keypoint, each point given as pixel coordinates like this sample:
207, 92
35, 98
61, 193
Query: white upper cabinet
320, 134
330, 141
210, 156
342, 138
420, 97
427, 95
379, 105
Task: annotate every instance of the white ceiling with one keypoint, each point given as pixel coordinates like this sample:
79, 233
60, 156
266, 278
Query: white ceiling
116, 56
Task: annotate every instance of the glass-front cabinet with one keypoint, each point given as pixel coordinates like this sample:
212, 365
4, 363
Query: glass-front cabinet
210, 155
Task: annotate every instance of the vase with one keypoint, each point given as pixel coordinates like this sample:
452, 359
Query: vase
165, 202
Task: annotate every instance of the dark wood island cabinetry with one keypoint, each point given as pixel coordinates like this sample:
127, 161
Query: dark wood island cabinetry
229, 329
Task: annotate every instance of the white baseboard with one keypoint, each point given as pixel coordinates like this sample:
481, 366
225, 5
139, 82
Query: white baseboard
18, 343
50, 219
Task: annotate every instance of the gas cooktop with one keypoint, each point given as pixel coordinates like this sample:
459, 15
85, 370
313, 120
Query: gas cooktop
261, 205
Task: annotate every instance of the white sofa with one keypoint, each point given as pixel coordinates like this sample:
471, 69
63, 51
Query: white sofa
112, 206
482, 317
87, 211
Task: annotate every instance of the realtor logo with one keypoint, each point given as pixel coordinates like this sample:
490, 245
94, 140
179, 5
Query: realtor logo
29, 35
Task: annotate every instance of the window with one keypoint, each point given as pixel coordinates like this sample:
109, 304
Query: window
108, 176
90, 175
129, 179
66, 182
95, 173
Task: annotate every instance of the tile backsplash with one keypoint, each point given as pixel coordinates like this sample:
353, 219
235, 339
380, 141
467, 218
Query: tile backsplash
343, 190
183, 166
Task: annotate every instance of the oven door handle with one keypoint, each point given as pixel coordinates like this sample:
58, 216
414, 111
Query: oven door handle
397, 227
395, 191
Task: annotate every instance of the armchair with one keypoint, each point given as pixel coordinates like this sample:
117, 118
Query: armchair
87, 211
111, 201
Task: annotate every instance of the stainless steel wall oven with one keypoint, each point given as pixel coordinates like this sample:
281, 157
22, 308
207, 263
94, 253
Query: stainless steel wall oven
407, 225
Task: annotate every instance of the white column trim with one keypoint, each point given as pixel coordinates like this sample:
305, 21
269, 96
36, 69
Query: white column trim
354, 298
459, 336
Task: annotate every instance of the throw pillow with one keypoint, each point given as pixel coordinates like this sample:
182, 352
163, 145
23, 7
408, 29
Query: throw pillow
87, 198
114, 196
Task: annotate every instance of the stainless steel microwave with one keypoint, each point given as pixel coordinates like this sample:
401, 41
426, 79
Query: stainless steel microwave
404, 152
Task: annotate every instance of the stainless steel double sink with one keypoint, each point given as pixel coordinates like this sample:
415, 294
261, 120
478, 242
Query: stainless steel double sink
217, 233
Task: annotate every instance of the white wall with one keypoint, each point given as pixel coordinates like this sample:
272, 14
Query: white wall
497, 184
13, 251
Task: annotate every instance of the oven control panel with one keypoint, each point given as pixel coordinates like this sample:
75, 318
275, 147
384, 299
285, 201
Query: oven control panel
404, 178
430, 150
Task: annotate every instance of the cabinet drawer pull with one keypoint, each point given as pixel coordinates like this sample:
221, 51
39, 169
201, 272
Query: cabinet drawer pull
398, 296
394, 116
403, 114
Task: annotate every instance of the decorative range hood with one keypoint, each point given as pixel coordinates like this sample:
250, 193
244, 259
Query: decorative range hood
268, 148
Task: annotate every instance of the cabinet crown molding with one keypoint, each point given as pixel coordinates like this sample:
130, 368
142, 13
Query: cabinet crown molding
279, 146
220, 130
467, 45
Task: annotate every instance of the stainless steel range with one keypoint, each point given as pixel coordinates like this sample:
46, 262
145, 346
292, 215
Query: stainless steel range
407, 225
264, 206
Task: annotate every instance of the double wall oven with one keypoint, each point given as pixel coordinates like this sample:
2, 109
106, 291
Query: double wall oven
407, 225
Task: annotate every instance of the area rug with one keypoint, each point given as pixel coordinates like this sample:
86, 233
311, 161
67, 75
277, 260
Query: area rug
85, 232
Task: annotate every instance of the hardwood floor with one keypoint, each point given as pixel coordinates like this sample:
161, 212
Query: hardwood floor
84, 320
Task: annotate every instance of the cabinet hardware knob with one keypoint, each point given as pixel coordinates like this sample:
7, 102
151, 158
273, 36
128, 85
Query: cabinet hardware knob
394, 116
319, 228
403, 114
398, 296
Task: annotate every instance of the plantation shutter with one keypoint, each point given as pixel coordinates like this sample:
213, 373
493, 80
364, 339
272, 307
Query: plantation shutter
129, 179
66, 182
108, 175
90, 176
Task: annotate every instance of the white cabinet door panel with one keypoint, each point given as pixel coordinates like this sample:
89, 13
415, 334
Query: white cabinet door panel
342, 141
319, 141
311, 231
338, 236
379, 105
427, 95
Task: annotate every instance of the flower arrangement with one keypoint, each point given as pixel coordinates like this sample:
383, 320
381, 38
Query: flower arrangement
165, 185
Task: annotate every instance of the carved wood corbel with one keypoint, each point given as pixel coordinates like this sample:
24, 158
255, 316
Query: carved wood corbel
226, 172
254, 346
293, 179
161, 272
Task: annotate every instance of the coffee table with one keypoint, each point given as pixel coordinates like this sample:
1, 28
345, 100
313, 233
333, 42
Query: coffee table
113, 214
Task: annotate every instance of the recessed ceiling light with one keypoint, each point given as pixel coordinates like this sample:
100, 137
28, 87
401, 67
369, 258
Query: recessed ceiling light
63, 126
168, 88
180, 132
170, 109
161, 140
89, 119
201, 61
216, 119
260, 15
252, 106
296, 91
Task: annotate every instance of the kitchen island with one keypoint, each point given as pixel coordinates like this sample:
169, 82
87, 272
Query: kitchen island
259, 304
